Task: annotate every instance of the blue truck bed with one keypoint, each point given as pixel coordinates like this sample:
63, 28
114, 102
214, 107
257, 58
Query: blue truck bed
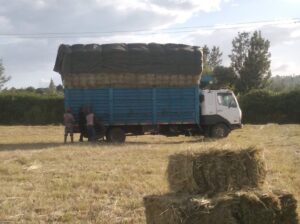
139, 106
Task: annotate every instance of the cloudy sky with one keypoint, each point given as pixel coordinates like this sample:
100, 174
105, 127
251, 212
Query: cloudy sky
31, 30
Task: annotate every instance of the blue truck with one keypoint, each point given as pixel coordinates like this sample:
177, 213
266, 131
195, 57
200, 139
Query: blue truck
170, 110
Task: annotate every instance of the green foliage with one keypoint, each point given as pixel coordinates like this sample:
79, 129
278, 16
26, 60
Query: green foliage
30, 109
52, 87
211, 59
225, 77
240, 47
250, 59
256, 70
263, 106
215, 57
3, 78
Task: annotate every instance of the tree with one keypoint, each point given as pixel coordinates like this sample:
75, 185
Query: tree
214, 58
250, 59
52, 87
3, 78
30, 89
240, 48
224, 76
255, 72
206, 68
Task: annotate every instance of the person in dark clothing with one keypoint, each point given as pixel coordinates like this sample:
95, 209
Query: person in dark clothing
90, 121
82, 122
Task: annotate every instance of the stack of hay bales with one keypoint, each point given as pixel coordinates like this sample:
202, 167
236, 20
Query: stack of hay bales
220, 187
129, 65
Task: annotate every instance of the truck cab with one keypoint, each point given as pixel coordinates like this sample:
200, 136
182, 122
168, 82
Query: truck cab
220, 112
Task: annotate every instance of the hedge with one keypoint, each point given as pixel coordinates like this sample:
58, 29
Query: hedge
262, 106
30, 109
259, 107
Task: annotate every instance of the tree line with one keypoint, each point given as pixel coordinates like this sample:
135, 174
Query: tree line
250, 63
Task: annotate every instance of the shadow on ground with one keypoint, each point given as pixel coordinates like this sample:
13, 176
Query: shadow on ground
29, 146
46, 145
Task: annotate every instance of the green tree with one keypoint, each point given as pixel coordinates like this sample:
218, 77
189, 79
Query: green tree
240, 48
215, 57
3, 78
224, 76
250, 59
52, 87
206, 52
255, 72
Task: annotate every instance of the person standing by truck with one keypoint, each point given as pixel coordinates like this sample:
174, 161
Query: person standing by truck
90, 121
68, 122
82, 122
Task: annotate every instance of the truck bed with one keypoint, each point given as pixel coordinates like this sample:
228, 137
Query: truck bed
137, 106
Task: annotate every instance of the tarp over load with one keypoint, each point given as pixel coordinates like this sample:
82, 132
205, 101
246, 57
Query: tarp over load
129, 65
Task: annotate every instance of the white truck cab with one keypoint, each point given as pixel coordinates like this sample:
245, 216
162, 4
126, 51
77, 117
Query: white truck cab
220, 112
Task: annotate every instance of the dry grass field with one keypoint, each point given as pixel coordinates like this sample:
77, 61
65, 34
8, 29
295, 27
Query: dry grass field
43, 180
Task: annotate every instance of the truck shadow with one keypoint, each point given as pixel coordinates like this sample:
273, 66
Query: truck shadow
29, 146
48, 145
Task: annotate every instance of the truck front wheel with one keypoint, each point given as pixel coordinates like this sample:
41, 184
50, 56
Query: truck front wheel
116, 135
219, 131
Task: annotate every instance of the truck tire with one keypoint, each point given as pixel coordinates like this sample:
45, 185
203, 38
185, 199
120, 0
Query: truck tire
116, 135
219, 131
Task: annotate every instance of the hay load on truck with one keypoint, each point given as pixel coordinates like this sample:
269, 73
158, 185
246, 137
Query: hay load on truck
136, 89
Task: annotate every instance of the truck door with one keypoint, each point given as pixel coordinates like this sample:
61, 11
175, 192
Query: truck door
228, 108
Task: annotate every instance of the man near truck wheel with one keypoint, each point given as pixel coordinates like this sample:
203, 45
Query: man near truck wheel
68, 122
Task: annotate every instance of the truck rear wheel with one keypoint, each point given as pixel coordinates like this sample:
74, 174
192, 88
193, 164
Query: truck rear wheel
219, 131
116, 135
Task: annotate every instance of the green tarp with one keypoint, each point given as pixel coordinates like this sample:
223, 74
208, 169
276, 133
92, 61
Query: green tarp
129, 58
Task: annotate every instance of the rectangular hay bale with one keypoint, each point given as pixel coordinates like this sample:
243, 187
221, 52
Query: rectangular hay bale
230, 208
216, 171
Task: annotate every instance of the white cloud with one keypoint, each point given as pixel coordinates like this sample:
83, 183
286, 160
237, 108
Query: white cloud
5, 24
295, 33
30, 60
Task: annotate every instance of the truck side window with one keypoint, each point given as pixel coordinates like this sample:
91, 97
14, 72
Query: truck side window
226, 99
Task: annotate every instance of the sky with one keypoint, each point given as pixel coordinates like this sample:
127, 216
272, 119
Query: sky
32, 30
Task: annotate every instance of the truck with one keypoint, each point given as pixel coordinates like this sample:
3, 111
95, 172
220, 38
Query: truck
169, 110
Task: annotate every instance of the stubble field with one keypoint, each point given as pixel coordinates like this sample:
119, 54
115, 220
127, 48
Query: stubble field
43, 180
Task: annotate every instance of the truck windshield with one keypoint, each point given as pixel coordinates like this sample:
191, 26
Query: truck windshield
226, 99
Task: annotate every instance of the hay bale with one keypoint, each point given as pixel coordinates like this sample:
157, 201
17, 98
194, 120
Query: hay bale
120, 80
231, 208
288, 205
216, 171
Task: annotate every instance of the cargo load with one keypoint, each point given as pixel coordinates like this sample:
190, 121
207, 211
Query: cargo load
129, 65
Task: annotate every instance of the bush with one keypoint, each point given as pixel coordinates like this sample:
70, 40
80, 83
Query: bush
263, 106
30, 109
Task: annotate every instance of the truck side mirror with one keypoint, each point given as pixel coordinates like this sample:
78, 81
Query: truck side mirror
201, 98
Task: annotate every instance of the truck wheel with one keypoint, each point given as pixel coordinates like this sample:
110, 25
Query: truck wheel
116, 135
219, 131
